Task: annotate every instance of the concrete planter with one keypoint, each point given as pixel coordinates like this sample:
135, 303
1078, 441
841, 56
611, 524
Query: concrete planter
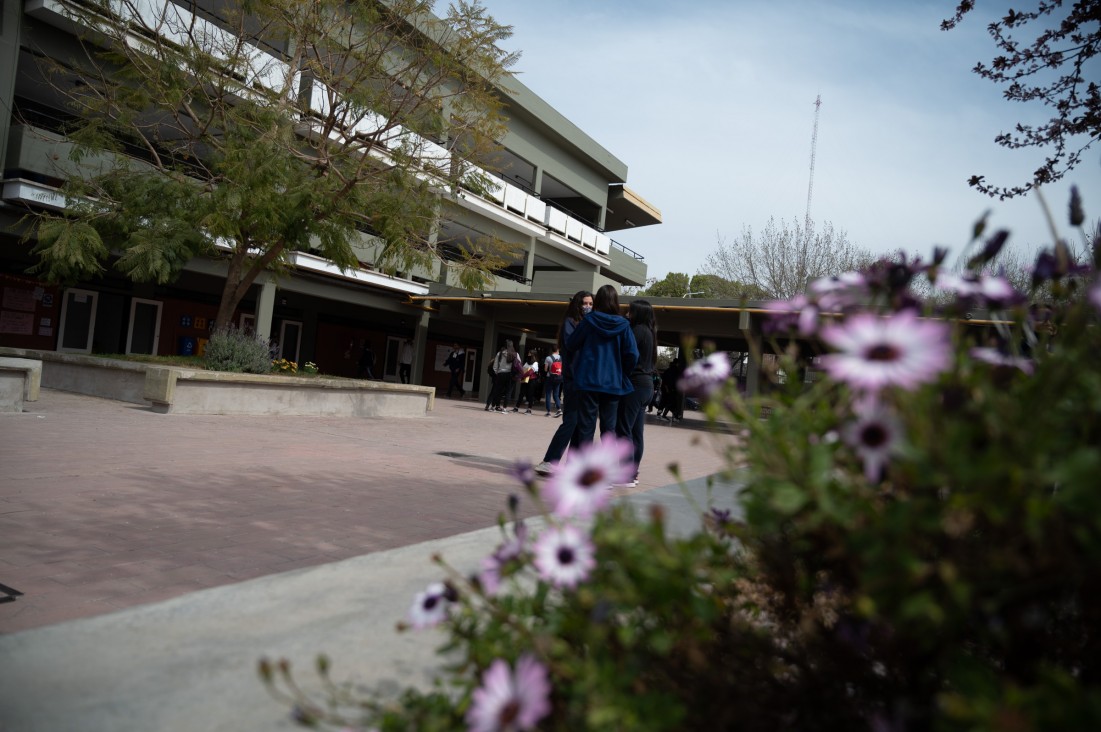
174, 390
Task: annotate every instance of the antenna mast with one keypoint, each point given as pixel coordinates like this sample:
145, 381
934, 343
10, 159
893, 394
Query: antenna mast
813, 150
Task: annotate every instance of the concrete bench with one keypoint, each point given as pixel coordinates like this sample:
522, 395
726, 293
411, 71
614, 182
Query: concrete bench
20, 381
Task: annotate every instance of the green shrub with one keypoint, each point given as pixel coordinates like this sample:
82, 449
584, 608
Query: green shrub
919, 548
230, 349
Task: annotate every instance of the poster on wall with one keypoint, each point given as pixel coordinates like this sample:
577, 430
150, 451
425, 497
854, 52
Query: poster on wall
441, 357
17, 298
16, 323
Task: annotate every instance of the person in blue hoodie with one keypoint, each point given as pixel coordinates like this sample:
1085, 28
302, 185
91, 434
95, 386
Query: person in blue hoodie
566, 436
603, 353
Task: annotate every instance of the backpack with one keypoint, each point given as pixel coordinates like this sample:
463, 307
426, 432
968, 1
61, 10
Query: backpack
555, 368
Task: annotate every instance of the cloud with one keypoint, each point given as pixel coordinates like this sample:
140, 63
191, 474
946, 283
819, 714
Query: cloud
710, 104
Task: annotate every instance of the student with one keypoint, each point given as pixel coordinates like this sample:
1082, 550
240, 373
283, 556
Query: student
552, 382
502, 367
603, 352
632, 407
456, 363
529, 379
581, 304
406, 361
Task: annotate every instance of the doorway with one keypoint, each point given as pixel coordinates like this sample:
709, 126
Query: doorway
78, 321
144, 334
290, 339
470, 373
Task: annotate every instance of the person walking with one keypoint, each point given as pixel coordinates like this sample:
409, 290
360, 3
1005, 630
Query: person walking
632, 407
580, 305
406, 361
672, 401
529, 378
552, 382
502, 367
456, 363
366, 366
604, 353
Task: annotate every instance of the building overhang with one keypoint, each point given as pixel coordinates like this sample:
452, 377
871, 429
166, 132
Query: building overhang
628, 210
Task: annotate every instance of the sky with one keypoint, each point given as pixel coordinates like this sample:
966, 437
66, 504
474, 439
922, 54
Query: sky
711, 106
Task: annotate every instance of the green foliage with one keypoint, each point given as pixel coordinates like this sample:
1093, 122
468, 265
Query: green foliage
955, 585
198, 145
230, 349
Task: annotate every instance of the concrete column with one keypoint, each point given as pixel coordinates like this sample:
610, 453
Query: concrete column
420, 343
753, 366
265, 306
489, 350
11, 26
529, 263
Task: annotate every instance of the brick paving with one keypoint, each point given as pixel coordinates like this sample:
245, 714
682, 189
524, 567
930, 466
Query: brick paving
106, 505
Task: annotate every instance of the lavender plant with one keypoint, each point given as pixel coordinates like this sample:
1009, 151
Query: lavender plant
920, 547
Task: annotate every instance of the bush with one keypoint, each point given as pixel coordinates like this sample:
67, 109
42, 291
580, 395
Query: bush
920, 547
230, 349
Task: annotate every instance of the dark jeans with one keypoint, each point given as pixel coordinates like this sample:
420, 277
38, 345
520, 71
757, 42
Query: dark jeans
553, 390
566, 435
456, 383
404, 371
501, 383
594, 404
632, 414
527, 393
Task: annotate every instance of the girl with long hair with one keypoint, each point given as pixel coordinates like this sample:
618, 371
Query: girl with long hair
632, 407
581, 304
604, 353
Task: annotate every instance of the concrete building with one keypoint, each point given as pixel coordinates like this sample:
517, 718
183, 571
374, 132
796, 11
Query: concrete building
559, 199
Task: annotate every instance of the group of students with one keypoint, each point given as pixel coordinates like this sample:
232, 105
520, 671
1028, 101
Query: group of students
608, 364
506, 367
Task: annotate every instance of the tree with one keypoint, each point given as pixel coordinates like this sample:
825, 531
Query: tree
333, 126
706, 286
784, 258
1054, 69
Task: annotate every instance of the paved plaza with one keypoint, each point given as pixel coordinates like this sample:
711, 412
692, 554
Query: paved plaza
106, 505
161, 556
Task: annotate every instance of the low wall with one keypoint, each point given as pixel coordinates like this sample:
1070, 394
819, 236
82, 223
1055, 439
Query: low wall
173, 390
20, 380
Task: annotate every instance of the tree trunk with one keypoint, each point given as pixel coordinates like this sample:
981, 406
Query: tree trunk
240, 276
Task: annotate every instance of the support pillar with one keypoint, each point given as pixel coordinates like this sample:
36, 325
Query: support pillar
265, 306
420, 343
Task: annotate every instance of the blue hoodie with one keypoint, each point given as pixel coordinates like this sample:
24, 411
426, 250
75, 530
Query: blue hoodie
603, 353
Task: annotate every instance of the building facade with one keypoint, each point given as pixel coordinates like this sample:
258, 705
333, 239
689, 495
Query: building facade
557, 199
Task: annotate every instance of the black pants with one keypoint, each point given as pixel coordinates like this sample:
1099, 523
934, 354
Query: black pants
501, 382
456, 383
404, 371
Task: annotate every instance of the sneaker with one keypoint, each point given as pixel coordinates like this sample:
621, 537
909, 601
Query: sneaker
547, 414
487, 409
499, 409
558, 413
516, 409
544, 468
527, 411
632, 483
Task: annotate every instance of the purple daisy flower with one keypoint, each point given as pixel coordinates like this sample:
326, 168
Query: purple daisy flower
582, 483
705, 376
994, 357
840, 292
1094, 295
494, 566
875, 435
429, 607
523, 471
897, 350
564, 556
510, 700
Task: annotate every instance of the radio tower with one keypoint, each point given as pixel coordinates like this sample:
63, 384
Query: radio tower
813, 149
